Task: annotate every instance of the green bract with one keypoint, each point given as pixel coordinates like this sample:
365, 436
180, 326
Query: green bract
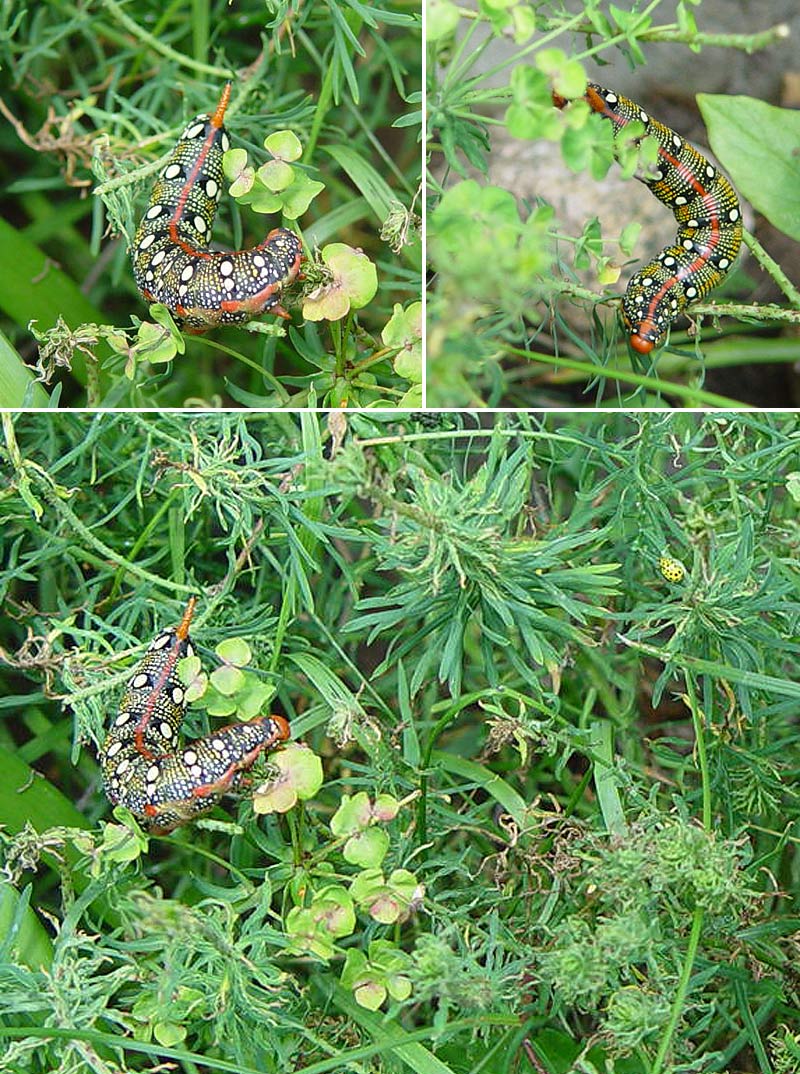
353, 284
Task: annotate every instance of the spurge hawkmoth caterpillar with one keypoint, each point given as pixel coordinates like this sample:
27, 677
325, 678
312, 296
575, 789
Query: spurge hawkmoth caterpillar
171, 260
707, 210
147, 768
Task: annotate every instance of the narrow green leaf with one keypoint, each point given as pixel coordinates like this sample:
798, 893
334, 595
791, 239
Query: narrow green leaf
478, 774
369, 182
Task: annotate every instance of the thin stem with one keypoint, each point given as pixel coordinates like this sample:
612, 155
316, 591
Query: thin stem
696, 396
773, 268
180, 58
680, 995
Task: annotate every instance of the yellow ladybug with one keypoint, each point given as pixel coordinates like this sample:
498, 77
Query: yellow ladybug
671, 569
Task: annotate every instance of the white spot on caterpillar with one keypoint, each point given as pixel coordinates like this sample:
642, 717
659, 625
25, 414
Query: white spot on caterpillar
177, 695
733, 215
200, 224
165, 729
158, 257
647, 281
188, 272
189, 649
113, 749
258, 260
692, 223
153, 212
152, 773
229, 284
676, 141
691, 292
668, 261
138, 681
658, 175
644, 116
123, 766
182, 290
172, 171
212, 189
149, 276
194, 129
196, 771
687, 244
226, 268
612, 97
680, 200
710, 171
122, 719
190, 757
225, 142
147, 241
723, 262
218, 745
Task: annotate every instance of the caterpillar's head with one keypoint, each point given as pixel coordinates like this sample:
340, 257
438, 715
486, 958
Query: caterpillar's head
643, 341
652, 301
644, 332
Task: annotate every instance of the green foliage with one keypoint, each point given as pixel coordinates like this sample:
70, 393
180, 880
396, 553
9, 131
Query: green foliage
540, 808
462, 562
635, 900
316, 88
230, 690
503, 248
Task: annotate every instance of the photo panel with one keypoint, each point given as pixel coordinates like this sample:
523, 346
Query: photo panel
556, 278
128, 126
388, 740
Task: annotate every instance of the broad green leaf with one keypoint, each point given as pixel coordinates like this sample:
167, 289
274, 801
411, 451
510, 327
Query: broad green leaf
16, 380
756, 143
33, 288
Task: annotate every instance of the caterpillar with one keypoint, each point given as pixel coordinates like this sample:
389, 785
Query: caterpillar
171, 260
147, 768
707, 210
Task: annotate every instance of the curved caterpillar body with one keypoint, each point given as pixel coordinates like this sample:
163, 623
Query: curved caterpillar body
707, 210
171, 260
145, 767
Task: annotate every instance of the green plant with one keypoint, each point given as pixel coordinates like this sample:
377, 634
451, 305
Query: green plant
540, 807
